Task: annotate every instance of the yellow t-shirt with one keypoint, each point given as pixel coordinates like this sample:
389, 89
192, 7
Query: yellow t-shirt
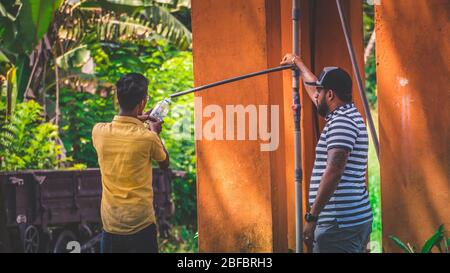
125, 149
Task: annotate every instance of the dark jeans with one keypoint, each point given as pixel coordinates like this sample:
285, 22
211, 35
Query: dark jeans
144, 241
329, 238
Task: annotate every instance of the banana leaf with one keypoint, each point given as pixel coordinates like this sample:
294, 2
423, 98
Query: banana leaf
34, 19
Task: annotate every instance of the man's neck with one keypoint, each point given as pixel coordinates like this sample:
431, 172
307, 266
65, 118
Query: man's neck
128, 114
336, 106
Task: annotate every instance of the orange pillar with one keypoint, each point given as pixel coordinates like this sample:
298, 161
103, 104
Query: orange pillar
240, 189
412, 74
245, 196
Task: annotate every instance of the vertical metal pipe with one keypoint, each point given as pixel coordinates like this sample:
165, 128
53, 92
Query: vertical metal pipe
361, 89
297, 135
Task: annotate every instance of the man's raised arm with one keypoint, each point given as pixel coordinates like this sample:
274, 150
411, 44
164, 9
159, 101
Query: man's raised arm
305, 73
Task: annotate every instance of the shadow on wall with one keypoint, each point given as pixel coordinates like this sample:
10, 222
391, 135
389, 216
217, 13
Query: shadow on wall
412, 71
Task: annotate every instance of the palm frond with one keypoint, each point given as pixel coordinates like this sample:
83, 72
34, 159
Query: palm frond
167, 26
127, 20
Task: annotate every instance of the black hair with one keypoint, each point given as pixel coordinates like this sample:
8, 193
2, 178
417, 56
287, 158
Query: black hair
344, 95
131, 90
338, 80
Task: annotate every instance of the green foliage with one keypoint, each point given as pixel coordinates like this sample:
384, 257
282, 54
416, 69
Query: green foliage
22, 25
122, 20
370, 66
182, 240
435, 241
438, 240
176, 74
368, 22
34, 19
371, 80
26, 141
79, 113
74, 58
116, 59
373, 164
374, 193
406, 248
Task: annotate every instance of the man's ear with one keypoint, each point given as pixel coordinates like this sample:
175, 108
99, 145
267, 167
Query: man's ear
143, 103
330, 95
141, 106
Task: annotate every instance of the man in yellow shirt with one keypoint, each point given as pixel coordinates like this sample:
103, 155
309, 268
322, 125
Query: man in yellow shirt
125, 150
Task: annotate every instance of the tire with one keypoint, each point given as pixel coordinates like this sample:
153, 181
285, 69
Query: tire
61, 244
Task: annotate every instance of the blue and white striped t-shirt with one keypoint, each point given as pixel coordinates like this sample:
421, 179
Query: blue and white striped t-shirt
349, 205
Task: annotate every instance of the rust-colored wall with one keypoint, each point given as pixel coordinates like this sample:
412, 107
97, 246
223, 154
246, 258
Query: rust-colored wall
413, 52
245, 196
234, 178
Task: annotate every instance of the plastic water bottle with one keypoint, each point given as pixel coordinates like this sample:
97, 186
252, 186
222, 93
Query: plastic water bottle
161, 109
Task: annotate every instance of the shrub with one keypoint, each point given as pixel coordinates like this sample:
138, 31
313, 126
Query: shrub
26, 141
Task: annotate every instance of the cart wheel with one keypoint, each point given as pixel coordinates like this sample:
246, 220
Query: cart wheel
85, 235
63, 239
45, 241
31, 239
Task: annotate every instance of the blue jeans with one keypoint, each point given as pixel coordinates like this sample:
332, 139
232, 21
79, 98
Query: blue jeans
144, 241
329, 238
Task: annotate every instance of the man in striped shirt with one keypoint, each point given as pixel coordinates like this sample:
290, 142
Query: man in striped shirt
340, 216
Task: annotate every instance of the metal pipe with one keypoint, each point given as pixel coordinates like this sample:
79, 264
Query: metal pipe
361, 89
297, 134
206, 86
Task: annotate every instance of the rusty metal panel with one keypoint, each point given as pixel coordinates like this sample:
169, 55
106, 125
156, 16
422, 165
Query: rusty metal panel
413, 52
235, 180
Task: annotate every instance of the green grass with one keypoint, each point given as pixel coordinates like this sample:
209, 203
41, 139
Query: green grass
374, 193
